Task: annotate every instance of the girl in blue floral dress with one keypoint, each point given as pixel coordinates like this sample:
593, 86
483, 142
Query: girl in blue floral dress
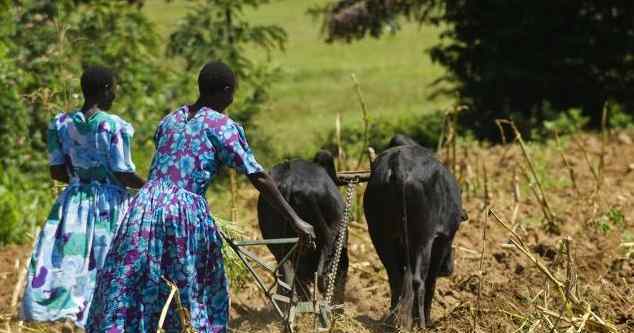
168, 231
90, 150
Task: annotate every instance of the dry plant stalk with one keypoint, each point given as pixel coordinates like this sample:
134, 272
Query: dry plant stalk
449, 136
604, 143
516, 198
340, 153
531, 185
234, 195
366, 120
486, 185
18, 285
183, 314
481, 273
516, 240
166, 306
371, 154
507, 150
571, 171
586, 157
566, 288
548, 212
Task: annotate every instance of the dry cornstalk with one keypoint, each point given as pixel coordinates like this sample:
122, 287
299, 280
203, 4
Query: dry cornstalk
595, 322
234, 195
166, 306
371, 154
585, 319
566, 289
542, 204
481, 273
340, 152
604, 143
517, 242
366, 120
550, 216
571, 171
516, 210
586, 157
18, 286
453, 143
183, 314
486, 185
516, 187
507, 148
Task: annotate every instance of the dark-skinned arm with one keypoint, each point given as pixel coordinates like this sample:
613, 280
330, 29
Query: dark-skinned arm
59, 173
265, 184
130, 179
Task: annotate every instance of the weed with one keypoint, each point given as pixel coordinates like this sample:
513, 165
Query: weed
610, 220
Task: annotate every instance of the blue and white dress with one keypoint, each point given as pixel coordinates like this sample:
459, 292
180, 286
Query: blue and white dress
75, 239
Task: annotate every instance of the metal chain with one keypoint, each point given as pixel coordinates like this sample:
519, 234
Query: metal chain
341, 237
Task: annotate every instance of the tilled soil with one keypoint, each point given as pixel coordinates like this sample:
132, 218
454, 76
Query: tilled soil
495, 287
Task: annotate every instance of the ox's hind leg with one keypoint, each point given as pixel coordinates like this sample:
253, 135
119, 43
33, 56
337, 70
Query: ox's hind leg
423, 262
439, 252
392, 260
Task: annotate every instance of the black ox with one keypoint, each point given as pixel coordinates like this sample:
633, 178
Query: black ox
413, 208
311, 189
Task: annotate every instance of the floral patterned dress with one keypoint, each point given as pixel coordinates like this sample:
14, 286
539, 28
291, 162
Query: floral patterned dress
169, 233
74, 241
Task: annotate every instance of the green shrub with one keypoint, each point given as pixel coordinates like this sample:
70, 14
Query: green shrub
24, 204
618, 118
567, 122
425, 128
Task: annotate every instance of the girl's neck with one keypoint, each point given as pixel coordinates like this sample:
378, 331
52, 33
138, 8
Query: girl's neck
193, 109
89, 109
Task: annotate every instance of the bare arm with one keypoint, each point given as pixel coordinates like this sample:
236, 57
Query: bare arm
265, 184
59, 173
130, 179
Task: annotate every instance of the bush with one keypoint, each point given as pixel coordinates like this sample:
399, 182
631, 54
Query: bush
425, 128
24, 204
617, 118
567, 122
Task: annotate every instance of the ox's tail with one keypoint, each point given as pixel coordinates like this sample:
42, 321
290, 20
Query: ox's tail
405, 304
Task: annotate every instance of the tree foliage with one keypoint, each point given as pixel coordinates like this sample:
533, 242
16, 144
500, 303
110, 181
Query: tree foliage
517, 59
43, 60
218, 30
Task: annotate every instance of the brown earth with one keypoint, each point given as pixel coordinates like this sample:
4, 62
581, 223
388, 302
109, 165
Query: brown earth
494, 288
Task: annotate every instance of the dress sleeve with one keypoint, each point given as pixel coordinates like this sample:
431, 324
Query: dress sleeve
120, 154
54, 145
234, 151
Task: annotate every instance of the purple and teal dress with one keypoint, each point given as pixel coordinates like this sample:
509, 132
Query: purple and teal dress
75, 238
168, 232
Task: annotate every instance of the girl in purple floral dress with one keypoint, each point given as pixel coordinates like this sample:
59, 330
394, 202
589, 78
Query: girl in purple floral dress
168, 231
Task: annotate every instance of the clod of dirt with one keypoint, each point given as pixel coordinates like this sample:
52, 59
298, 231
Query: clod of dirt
545, 251
623, 267
622, 318
519, 269
624, 139
501, 258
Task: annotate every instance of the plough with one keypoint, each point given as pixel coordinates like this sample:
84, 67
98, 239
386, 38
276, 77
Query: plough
294, 298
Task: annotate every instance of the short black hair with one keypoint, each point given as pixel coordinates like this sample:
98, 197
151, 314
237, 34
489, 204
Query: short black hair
214, 77
95, 80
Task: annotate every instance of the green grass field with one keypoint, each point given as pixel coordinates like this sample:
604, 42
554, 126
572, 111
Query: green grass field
395, 73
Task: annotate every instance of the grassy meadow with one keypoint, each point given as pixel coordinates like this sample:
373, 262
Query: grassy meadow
395, 73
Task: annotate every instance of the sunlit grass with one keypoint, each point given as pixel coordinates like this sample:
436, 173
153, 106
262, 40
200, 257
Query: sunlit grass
395, 73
